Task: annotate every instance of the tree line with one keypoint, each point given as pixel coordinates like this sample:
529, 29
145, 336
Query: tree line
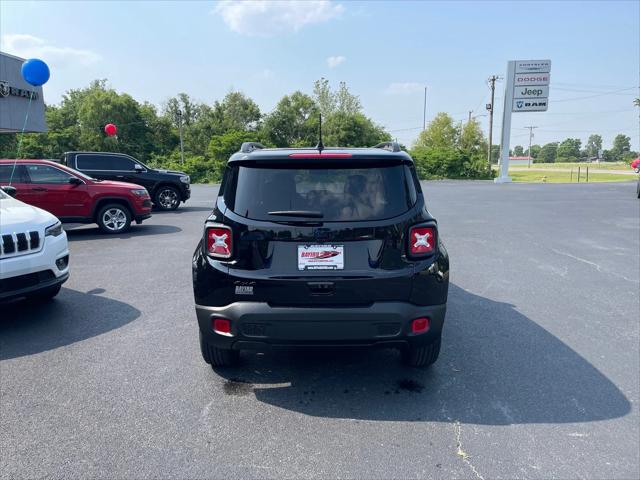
213, 132
571, 150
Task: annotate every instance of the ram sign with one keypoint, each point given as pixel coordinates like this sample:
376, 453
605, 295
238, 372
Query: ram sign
21, 105
530, 105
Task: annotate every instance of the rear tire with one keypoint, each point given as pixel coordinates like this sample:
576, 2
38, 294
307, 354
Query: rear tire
114, 218
421, 356
218, 357
45, 294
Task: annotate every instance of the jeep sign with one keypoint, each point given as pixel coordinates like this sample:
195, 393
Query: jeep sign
531, 92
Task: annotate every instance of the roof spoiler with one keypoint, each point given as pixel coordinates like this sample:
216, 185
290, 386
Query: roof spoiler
248, 147
391, 146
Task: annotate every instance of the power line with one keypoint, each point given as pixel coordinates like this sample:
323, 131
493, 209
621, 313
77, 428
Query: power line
626, 110
593, 96
584, 91
588, 85
404, 129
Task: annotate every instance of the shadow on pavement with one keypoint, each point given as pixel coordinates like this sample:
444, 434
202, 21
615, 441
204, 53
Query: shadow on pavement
135, 231
497, 367
180, 210
27, 328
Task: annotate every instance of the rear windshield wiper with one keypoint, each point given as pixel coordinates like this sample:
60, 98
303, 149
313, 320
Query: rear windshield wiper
297, 213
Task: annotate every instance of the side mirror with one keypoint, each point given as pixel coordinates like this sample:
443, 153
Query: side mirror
75, 181
9, 190
138, 168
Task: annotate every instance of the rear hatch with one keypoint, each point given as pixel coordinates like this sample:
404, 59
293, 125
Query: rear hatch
320, 234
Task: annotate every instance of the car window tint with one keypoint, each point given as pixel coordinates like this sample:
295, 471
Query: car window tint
341, 194
411, 186
6, 174
89, 162
93, 162
122, 163
46, 174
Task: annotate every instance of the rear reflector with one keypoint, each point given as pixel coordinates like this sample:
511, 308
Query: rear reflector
219, 241
422, 241
420, 325
320, 155
222, 326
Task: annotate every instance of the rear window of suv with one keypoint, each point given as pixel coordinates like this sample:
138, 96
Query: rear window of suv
338, 193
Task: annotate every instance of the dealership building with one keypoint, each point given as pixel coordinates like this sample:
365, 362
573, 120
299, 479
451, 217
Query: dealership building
21, 104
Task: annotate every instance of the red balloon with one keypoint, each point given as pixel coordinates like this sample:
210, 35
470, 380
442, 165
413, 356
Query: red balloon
110, 129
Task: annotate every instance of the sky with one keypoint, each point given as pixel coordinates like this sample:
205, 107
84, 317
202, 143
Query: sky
386, 52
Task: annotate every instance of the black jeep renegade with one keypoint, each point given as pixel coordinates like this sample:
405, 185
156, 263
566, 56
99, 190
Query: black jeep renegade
320, 247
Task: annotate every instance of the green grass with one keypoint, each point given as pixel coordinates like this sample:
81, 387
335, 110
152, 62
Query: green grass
575, 165
550, 176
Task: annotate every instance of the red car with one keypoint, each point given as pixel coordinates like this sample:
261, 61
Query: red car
74, 197
636, 165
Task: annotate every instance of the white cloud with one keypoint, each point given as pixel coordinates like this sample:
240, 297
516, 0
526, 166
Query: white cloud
267, 74
333, 62
29, 46
405, 88
267, 17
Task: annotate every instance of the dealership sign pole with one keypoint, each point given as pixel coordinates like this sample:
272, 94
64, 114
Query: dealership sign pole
526, 90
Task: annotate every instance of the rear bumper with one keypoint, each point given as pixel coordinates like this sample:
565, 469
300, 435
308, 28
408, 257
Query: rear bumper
258, 326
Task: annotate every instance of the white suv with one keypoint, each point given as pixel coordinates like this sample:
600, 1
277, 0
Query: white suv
34, 255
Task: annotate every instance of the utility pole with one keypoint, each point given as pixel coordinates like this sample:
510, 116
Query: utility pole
530, 137
179, 114
492, 85
424, 112
470, 112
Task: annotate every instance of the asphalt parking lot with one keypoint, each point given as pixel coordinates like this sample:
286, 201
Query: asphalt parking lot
538, 378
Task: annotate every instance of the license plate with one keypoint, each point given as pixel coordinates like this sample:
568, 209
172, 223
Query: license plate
320, 257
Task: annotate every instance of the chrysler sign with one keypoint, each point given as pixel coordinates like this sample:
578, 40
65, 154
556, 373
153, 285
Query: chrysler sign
533, 66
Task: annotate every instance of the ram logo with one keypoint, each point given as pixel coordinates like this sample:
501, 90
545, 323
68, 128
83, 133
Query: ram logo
4, 88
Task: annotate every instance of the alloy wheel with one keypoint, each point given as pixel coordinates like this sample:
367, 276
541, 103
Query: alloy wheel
167, 198
114, 219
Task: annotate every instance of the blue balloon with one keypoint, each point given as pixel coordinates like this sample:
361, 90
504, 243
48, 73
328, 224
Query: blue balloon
35, 72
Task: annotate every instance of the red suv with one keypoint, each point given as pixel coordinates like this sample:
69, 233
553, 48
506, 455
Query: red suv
75, 197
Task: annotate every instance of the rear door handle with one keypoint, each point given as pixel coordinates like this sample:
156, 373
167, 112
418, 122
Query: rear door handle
119, 176
39, 189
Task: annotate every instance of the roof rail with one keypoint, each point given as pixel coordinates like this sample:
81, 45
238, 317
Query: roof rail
248, 147
391, 146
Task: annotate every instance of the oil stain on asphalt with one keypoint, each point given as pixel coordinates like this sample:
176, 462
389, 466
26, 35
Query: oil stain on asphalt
237, 387
409, 385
